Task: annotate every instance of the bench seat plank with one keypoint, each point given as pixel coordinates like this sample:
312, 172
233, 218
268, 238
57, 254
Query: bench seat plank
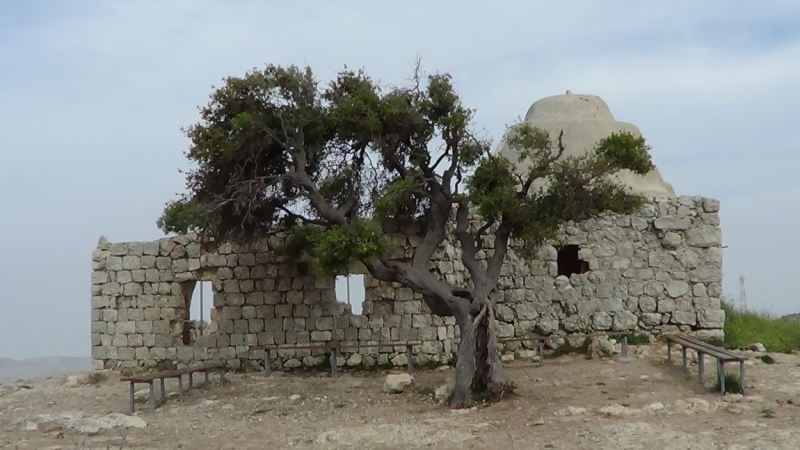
706, 348
144, 378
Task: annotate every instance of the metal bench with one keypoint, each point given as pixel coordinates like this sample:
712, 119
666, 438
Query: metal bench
149, 378
704, 348
336, 347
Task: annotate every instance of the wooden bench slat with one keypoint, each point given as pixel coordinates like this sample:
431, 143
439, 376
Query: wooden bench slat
144, 378
334, 345
706, 348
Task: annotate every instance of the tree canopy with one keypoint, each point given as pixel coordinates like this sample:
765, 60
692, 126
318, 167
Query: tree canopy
276, 151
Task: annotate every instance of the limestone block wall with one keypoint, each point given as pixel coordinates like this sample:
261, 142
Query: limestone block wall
655, 271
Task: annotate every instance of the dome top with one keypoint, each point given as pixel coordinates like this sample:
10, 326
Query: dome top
569, 107
585, 120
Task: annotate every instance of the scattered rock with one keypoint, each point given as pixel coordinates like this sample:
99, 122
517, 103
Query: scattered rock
733, 398
571, 411
538, 422
395, 383
294, 397
756, 347
442, 392
601, 347
737, 408
507, 357
76, 380
442, 368
681, 405
618, 410
655, 406
641, 352
354, 359
528, 354
328, 437
78, 423
293, 364
695, 405
400, 360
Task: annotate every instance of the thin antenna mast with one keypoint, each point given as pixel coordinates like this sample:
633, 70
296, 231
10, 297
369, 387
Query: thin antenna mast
742, 294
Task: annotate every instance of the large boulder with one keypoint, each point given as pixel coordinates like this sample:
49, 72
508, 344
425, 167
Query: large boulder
601, 347
395, 383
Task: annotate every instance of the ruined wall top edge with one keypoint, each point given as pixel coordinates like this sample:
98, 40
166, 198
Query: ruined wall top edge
649, 211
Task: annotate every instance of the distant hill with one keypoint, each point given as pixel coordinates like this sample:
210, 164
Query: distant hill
795, 316
12, 370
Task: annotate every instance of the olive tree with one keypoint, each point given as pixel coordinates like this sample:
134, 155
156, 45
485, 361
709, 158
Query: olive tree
329, 164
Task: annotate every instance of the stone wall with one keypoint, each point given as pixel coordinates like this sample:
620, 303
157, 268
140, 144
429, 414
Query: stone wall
658, 270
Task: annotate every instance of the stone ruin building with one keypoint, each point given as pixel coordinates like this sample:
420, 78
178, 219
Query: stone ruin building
656, 271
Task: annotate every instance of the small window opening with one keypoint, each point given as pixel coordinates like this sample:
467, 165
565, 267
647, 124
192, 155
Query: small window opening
350, 289
569, 263
198, 302
201, 306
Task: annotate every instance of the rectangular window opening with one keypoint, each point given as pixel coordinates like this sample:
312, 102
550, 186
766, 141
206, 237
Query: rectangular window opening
350, 289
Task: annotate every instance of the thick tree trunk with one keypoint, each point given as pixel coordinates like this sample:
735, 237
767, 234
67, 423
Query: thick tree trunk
488, 361
465, 365
480, 367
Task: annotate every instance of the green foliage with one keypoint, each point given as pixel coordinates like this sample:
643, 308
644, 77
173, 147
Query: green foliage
638, 339
554, 190
275, 150
335, 249
745, 328
181, 217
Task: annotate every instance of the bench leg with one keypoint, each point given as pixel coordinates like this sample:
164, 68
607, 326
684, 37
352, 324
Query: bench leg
669, 352
191, 381
700, 366
133, 404
721, 376
624, 346
741, 375
685, 362
541, 353
333, 362
267, 364
207, 382
180, 387
152, 396
410, 363
163, 393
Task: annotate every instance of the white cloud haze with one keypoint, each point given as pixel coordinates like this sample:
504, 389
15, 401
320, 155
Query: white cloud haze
93, 95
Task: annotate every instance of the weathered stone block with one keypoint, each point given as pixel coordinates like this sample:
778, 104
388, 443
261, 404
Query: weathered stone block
704, 237
671, 223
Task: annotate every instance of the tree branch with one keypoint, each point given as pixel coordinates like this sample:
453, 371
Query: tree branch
467, 240
495, 263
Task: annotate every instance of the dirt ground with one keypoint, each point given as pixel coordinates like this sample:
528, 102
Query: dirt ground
569, 403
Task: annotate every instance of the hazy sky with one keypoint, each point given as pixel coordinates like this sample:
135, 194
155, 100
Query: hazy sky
93, 95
